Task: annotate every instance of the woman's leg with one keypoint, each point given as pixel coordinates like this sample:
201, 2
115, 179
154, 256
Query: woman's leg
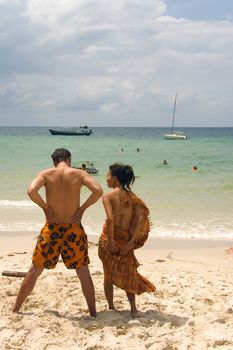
108, 290
131, 298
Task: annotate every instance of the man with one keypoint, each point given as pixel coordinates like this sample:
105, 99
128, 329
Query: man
63, 233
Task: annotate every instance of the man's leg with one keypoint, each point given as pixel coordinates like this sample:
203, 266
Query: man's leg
87, 288
27, 285
131, 298
108, 290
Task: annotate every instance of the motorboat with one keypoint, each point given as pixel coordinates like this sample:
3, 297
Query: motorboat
75, 131
89, 167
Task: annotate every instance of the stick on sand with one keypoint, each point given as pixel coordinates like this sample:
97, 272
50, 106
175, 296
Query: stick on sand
14, 273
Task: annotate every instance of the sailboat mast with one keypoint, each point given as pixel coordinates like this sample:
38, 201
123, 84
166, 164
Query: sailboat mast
174, 112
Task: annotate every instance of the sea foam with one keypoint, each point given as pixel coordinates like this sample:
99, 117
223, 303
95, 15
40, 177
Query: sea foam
17, 204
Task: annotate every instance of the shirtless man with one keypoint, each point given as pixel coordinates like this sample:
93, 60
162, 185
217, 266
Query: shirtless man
63, 232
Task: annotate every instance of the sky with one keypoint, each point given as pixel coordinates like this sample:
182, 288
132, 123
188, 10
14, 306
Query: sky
116, 62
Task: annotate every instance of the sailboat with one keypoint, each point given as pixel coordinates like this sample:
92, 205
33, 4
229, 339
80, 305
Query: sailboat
175, 135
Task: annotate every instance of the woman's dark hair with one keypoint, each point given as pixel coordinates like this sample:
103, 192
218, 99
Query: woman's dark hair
60, 155
124, 174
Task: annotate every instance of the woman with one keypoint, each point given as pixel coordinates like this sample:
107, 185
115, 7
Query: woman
126, 228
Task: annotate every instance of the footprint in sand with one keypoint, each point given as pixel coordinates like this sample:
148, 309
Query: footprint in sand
10, 293
53, 347
97, 273
52, 312
221, 342
208, 301
5, 332
220, 320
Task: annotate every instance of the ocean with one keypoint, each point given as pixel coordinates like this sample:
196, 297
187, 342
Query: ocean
183, 204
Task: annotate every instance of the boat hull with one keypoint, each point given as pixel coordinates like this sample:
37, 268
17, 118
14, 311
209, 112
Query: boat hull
175, 137
70, 133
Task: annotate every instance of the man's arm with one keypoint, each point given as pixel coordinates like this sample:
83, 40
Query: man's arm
33, 189
33, 192
97, 192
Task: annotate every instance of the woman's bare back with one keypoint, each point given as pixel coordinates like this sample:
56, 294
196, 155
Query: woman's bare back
122, 209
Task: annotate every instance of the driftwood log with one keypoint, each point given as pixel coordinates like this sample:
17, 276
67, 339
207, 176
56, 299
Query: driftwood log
14, 273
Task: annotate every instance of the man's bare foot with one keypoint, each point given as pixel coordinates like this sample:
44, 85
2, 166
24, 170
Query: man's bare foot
134, 312
15, 310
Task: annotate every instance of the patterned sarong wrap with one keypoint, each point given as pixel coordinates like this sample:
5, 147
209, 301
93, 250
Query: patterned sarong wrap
122, 270
69, 240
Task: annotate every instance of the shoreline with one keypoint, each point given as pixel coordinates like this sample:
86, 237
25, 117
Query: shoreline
26, 240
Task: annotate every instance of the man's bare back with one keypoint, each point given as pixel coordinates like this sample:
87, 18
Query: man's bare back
62, 187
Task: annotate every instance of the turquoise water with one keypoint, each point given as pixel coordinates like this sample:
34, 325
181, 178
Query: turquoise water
182, 203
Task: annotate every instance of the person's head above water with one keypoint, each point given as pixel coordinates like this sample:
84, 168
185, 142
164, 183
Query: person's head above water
61, 155
123, 173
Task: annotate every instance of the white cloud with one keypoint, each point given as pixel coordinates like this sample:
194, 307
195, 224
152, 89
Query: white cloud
109, 107
70, 16
124, 57
9, 2
169, 19
50, 12
93, 49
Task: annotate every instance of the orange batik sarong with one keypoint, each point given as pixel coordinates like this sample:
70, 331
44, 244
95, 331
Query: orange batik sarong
122, 270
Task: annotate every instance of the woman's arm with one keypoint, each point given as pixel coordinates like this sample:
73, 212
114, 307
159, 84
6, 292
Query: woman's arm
136, 224
110, 223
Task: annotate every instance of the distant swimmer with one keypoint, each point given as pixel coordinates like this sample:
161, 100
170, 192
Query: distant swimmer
165, 162
194, 169
122, 150
138, 150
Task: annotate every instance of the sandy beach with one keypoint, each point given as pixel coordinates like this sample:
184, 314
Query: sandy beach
192, 308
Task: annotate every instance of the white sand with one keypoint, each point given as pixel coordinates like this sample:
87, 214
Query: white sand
192, 308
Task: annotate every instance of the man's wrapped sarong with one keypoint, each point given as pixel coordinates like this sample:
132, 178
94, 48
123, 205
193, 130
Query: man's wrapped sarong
122, 270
